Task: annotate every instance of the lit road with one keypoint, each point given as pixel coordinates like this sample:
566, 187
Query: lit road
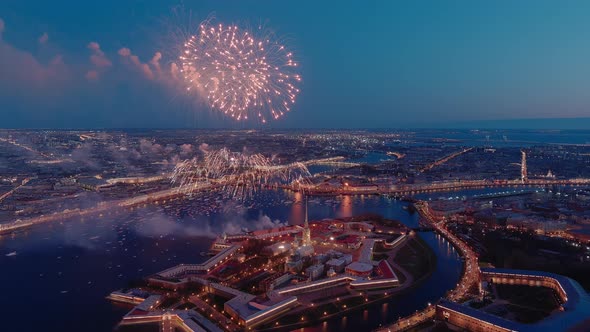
469, 278
24, 147
10, 192
443, 160
471, 271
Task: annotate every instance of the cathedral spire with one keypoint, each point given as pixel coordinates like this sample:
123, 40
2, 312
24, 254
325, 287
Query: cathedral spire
306, 231
306, 224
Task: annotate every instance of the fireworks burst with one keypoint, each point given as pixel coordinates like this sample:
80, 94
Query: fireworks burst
239, 175
241, 75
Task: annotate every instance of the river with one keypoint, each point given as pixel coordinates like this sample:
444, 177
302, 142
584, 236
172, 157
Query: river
62, 272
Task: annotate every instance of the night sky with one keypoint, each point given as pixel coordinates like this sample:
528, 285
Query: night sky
371, 64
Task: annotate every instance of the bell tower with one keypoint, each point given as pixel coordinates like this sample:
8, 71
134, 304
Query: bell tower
306, 231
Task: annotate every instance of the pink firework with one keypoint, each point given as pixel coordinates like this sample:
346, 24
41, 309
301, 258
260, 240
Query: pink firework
239, 74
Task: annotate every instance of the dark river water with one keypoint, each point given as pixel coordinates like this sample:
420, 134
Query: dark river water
62, 272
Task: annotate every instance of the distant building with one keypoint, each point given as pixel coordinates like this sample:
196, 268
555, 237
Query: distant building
359, 269
337, 264
90, 183
360, 188
276, 249
305, 251
314, 272
320, 258
523, 167
276, 280
240, 258
294, 264
331, 273
347, 258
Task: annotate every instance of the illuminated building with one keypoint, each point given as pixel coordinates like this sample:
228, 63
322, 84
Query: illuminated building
523, 168
574, 311
359, 269
306, 241
315, 271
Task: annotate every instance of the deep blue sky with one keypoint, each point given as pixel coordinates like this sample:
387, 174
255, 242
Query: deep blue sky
364, 63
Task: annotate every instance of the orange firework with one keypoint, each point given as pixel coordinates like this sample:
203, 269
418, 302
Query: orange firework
239, 74
238, 174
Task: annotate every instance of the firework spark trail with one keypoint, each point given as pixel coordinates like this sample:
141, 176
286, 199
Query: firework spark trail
240, 74
239, 175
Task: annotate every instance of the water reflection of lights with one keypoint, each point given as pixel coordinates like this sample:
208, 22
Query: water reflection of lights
346, 206
297, 209
384, 308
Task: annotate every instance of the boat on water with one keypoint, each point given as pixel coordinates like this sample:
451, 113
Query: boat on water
10, 254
